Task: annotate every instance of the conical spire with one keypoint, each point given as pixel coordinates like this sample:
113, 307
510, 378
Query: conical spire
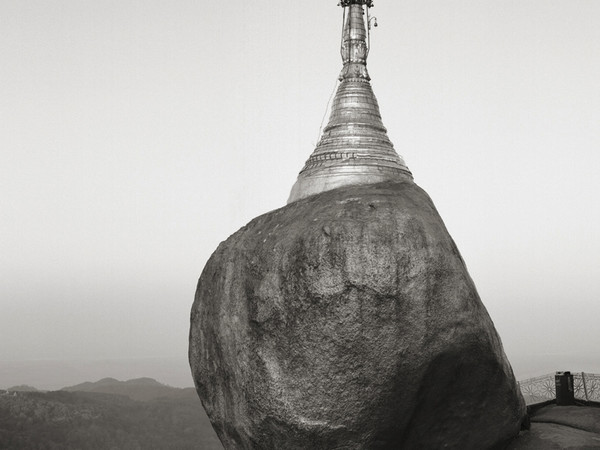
354, 147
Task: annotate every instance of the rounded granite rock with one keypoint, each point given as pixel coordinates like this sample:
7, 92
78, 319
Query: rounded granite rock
348, 320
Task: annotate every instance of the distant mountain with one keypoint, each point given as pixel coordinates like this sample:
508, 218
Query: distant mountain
52, 375
22, 388
141, 389
108, 414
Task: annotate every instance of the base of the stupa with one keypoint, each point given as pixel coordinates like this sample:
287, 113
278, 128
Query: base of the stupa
309, 184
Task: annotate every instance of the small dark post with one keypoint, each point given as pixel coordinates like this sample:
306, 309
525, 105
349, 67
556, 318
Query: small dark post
565, 394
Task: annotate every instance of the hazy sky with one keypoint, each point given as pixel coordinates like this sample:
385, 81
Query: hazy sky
137, 135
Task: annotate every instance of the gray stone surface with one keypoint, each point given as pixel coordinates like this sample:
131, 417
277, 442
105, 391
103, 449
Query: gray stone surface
561, 427
348, 320
551, 436
582, 418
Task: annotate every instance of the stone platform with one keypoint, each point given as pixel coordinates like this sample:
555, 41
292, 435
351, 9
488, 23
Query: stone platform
561, 427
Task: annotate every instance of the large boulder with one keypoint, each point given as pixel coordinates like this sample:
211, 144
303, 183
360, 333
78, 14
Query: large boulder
348, 320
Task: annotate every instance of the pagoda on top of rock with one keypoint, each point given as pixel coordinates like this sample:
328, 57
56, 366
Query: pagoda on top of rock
347, 318
354, 147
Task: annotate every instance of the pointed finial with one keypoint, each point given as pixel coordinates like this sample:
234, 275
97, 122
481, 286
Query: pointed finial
345, 3
354, 147
354, 43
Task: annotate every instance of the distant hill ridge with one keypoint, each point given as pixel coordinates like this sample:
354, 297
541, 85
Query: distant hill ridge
91, 416
22, 388
140, 389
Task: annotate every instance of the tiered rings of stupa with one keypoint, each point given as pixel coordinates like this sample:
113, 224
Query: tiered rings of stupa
354, 147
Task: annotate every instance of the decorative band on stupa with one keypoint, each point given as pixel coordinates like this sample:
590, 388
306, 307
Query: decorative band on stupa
354, 147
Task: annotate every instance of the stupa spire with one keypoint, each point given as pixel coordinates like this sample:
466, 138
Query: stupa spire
354, 147
354, 41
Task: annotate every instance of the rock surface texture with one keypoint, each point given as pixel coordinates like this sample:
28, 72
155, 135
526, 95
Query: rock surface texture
348, 320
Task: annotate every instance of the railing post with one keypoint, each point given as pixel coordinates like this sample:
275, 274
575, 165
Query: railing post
584, 387
564, 389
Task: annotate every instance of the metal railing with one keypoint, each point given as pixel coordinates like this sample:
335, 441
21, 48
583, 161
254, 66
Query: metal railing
586, 387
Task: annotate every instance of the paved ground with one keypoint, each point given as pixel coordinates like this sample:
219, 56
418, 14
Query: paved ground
561, 427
